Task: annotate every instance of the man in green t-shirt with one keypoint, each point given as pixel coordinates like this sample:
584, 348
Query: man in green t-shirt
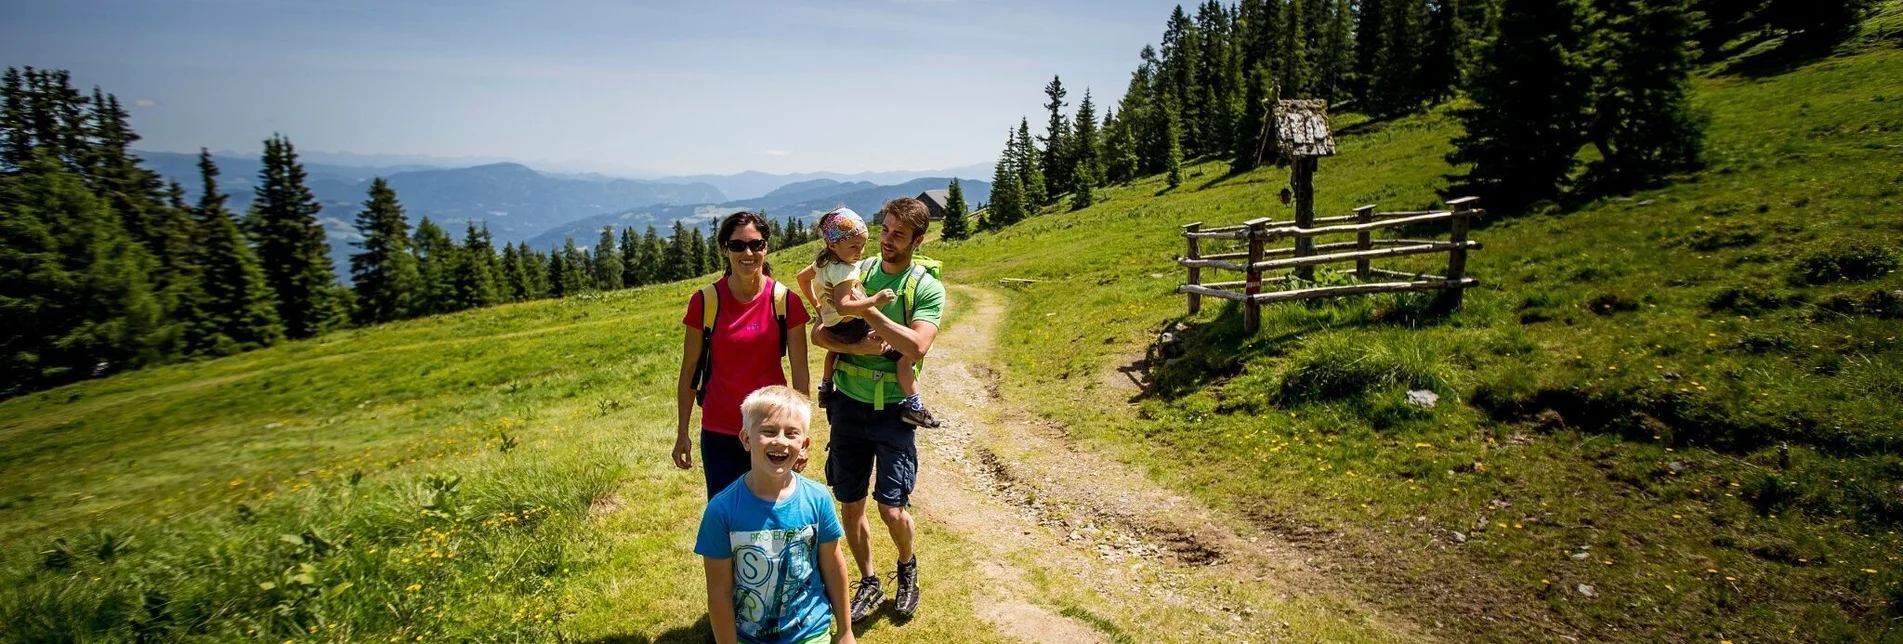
868, 433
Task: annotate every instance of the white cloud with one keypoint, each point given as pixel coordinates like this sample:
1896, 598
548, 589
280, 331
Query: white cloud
776, 153
145, 102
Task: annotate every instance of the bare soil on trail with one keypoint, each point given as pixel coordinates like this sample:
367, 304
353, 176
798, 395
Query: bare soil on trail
1079, 542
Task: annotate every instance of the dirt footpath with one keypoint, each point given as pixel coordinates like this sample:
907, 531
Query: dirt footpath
1079, 543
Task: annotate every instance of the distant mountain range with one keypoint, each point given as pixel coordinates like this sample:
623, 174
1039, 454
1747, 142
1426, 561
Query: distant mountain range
520, 204
748, 185
803, 200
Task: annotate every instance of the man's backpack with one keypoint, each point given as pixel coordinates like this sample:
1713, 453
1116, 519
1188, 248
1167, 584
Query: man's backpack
908, 298
709, 312
908, 290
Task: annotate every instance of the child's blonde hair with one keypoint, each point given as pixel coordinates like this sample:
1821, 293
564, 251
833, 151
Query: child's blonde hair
763, 402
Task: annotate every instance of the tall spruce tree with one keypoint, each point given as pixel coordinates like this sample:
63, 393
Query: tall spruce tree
1173, 164
1294, 68
608, 264
515, 274
957, 215
1055, 157
1007, 198
630, 257
560, 278
1030, 175
680, 263
653, 257
1335, 60
1250, 128
1531, 91
1643, 124
1086, 171
1445, 56
1120, 149
578, 276
235, 309
291, 245
438, 262
696, 253
479, 282
1219, 77
385, 276
73, 286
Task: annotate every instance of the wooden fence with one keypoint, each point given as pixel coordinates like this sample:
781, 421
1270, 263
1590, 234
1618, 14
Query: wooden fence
1302, 258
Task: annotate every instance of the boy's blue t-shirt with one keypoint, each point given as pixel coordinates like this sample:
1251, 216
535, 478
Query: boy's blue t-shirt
779, 596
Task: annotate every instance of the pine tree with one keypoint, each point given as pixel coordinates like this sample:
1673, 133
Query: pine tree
1007, 199
479, 280
1444, 59
957, 215
1335, 61
1086, 160
1182, 45
436, 261
1174, 162
16, 136
1397, 87
515, 273
696, 245
388, 284
1219, 77
560, 279
1259, 23
1643, 124
1055, 158
1812, 25
577, 276
73, 284
1249, 128
291, 245
1120, 149
680, 262
653, 268
715, 259
608, 264
1531, 91
630, 257
235, 308
1030, 176
1293, 69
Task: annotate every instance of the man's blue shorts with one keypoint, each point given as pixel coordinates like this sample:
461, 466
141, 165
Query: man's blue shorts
865, 440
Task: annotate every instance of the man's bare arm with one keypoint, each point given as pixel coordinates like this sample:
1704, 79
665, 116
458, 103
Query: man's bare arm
913, 341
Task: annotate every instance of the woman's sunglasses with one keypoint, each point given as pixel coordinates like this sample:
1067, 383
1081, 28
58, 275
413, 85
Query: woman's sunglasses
738, 246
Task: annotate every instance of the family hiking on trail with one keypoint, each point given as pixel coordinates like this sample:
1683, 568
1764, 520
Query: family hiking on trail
768, 538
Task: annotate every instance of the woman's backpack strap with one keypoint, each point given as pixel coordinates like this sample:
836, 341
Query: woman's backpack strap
779, 312
709, 312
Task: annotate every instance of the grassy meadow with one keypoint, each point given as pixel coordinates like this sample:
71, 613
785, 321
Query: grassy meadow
499, 475
1674, 416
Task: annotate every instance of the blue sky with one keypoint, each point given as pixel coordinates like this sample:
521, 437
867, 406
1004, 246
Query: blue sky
637, 88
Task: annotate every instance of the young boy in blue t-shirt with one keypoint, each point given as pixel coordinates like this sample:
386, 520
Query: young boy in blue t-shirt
770, 541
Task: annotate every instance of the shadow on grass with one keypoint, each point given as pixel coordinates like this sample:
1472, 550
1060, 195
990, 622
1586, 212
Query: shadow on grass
1211, 352
699, 633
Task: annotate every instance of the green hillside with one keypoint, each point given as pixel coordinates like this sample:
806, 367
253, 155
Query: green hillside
1618, 388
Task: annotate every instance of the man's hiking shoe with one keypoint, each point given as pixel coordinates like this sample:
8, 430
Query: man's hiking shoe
867, 594
921, 417
905, 598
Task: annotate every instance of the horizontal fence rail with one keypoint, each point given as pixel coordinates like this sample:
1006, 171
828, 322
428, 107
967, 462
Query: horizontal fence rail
1306, 254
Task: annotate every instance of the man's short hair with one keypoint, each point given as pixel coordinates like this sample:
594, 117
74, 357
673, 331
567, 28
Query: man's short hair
763, 402
911, 211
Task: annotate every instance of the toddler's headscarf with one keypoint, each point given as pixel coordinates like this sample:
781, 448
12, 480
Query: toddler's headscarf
842, 223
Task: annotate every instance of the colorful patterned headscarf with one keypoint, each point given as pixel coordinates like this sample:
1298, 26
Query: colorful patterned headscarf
840, 224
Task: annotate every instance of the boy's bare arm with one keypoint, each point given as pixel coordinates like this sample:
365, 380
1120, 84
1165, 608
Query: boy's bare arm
720, 599
832, 568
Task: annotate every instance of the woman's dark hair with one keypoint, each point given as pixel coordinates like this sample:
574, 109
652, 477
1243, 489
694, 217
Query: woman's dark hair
734, 222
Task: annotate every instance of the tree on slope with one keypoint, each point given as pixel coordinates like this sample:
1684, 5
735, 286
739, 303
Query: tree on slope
291, 245
957, 214
1643, 124
384, 274
1531, 91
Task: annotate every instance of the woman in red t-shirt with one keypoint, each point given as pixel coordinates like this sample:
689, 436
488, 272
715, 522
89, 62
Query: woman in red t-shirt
745, 355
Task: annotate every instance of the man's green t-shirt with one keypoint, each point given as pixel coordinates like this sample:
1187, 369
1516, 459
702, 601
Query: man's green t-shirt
928, 304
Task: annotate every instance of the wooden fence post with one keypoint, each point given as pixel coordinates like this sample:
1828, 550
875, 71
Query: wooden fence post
1304, 180
1364, 240
1195, 272
1251, 311
1457, 258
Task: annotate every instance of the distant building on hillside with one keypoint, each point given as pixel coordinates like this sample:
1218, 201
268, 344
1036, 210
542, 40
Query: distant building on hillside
937, 201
